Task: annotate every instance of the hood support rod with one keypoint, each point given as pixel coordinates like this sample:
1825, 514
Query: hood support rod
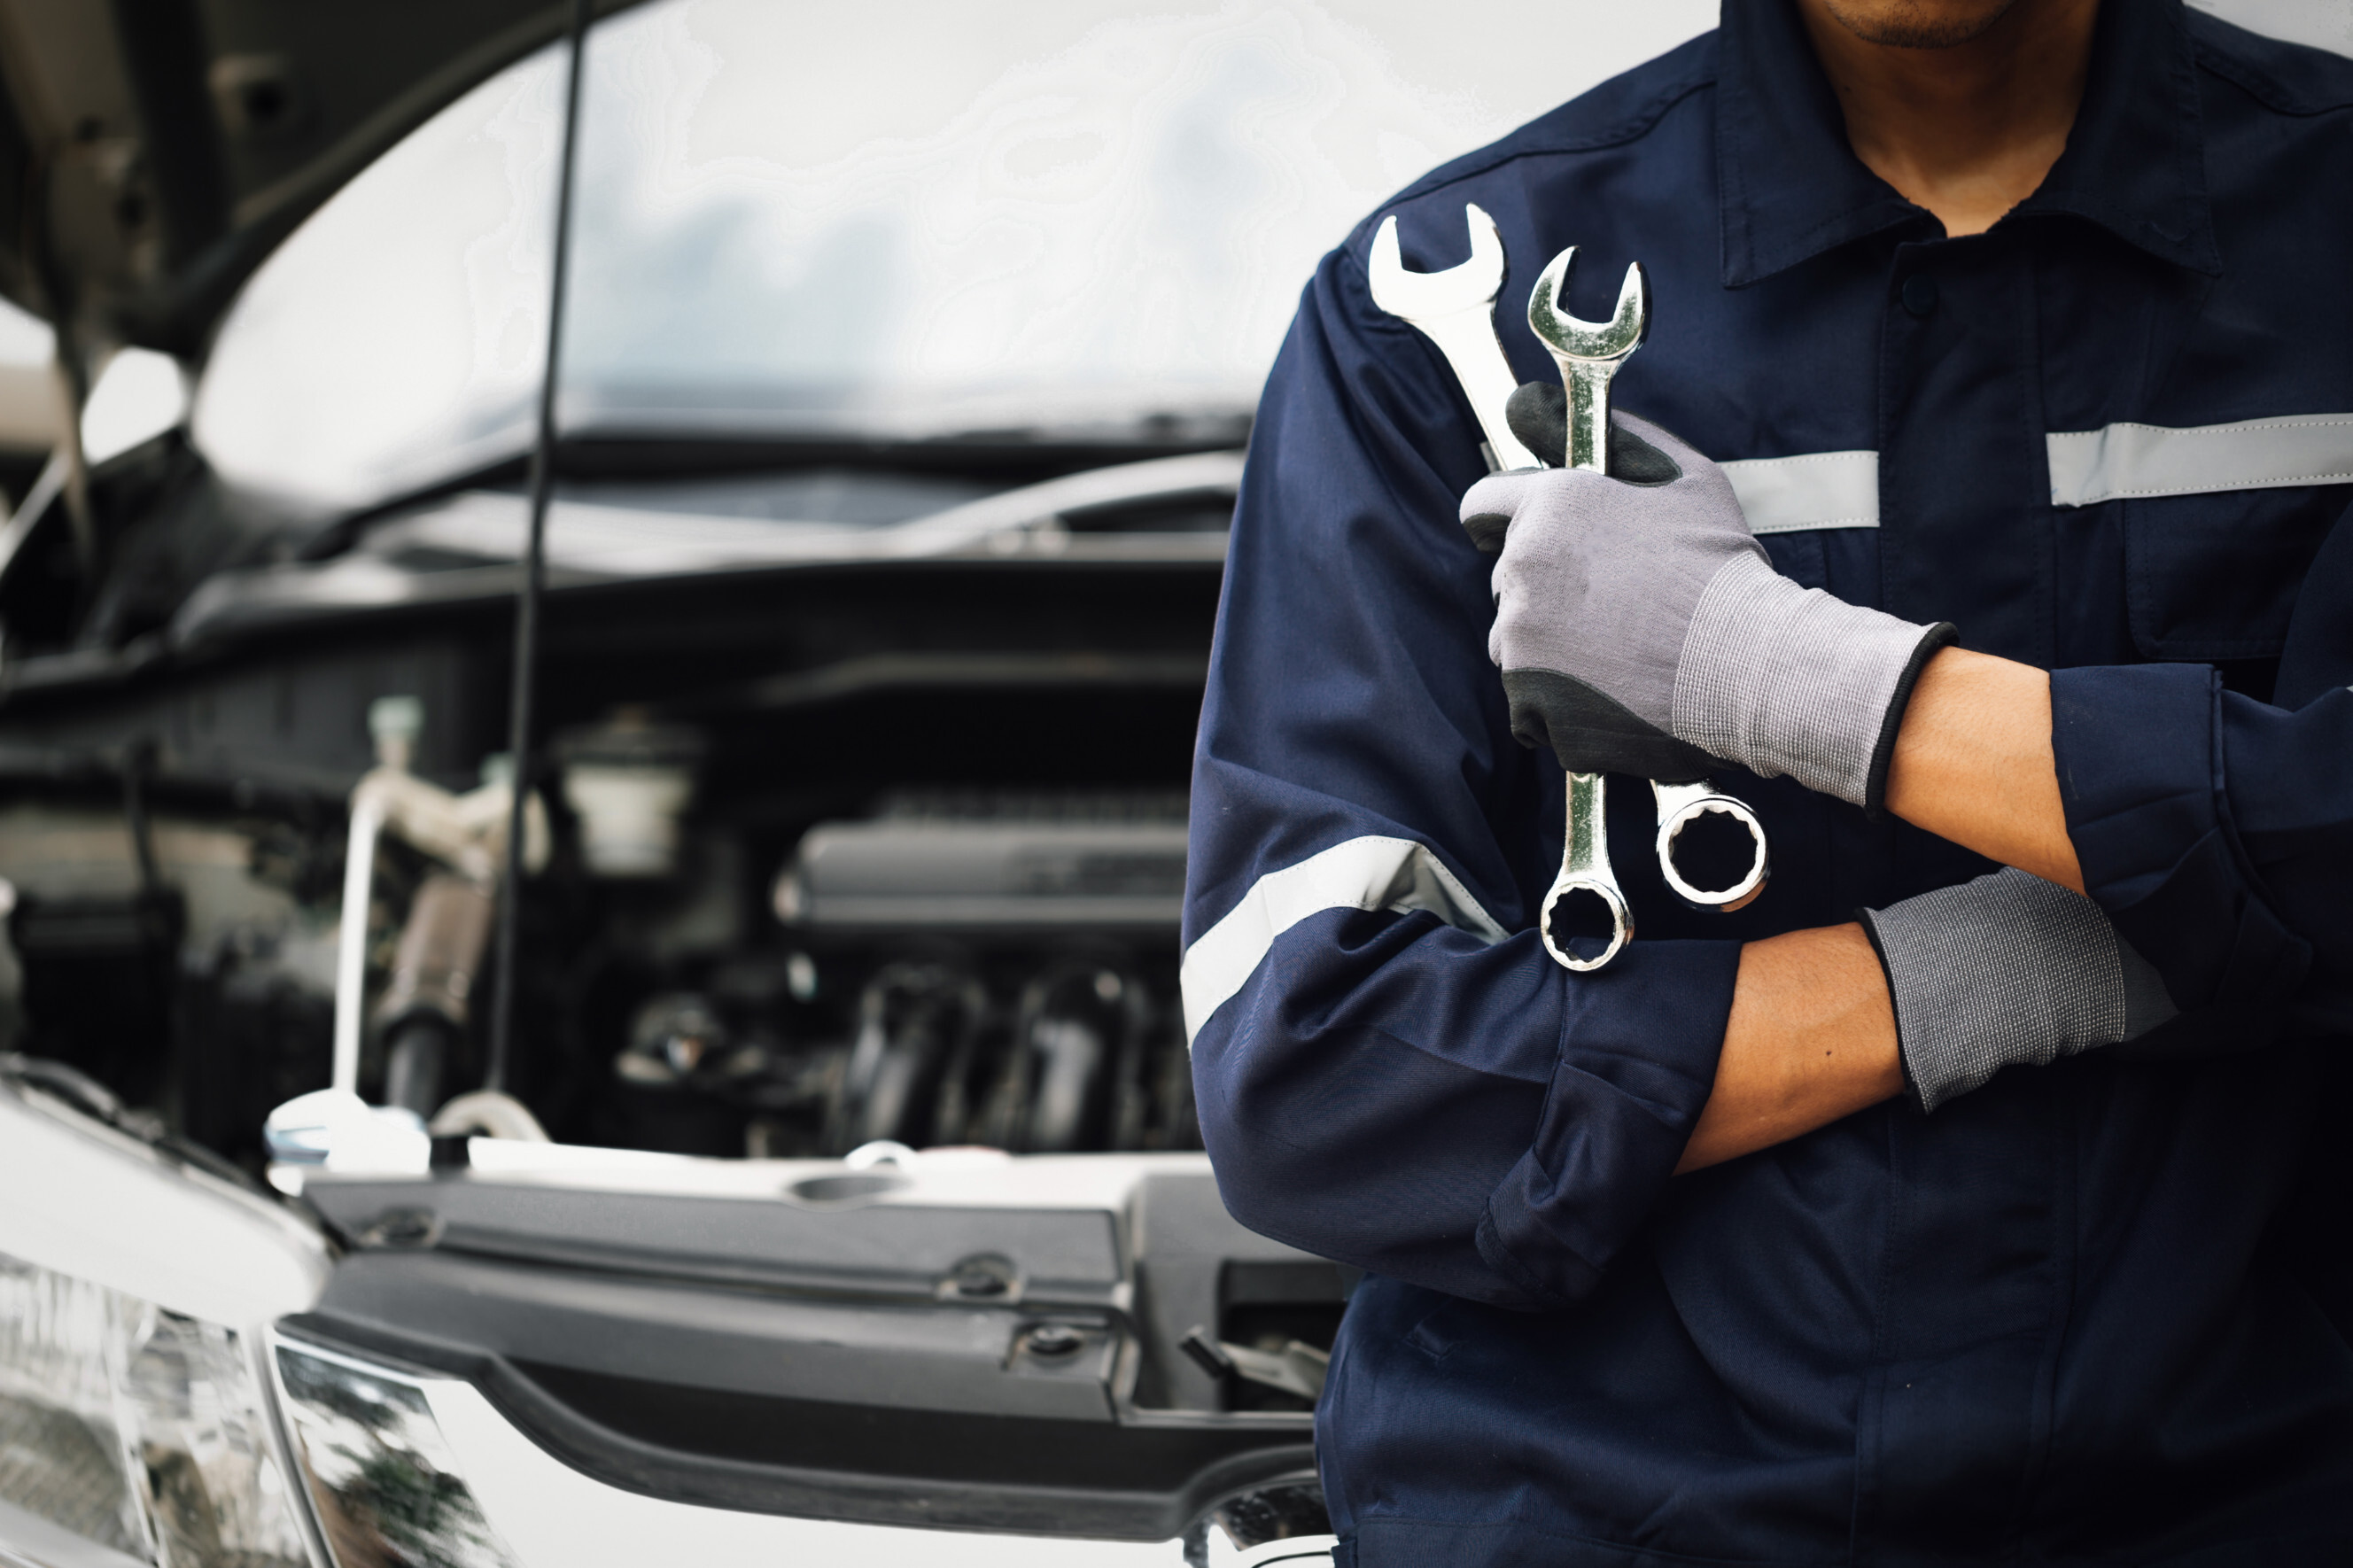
534, 569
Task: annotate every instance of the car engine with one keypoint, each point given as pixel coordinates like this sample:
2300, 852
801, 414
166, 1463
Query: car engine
845, 846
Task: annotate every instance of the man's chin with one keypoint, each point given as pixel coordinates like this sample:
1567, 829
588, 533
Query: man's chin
1917, 23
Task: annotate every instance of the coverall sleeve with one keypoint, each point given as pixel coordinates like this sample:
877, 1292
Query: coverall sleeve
1390, 1071
2217, 830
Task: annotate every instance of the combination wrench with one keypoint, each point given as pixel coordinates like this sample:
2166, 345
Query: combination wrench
1455, 310
1589, 354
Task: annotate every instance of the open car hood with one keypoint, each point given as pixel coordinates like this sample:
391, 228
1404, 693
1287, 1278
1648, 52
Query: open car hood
153, 152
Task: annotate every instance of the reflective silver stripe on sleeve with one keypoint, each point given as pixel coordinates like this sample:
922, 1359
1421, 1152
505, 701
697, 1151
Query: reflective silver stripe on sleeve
2121, 461
1818, 489
1370, 873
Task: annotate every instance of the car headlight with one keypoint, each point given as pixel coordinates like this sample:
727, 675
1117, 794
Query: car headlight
137, 1418
134, 1429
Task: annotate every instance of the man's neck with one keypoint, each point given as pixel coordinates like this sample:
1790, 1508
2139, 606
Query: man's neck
1968, 131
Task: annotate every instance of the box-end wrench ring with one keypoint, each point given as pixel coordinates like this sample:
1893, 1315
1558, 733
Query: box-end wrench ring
1682, 805
1585, 868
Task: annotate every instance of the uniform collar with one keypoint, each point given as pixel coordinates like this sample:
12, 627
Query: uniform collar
1792, 188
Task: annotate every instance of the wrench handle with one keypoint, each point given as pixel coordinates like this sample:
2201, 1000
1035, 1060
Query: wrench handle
1588, 412
1466, 338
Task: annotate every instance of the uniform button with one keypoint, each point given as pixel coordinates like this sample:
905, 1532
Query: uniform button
1920, 294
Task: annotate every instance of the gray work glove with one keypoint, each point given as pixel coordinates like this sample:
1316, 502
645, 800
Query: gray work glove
1640, 629
2006, 971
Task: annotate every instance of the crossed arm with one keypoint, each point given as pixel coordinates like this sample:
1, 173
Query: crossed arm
1812, 1033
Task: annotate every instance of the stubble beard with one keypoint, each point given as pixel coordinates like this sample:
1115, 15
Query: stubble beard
1914, 24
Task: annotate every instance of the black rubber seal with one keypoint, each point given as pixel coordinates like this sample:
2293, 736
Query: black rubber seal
1870, 924
1941, 635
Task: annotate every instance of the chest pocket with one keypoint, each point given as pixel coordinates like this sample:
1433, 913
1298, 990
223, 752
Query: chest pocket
2215, 576
2221, 523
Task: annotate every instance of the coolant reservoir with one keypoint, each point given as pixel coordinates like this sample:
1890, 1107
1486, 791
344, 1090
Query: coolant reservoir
628, 781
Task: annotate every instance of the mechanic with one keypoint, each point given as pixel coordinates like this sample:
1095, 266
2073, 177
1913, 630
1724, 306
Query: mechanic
1994, 1220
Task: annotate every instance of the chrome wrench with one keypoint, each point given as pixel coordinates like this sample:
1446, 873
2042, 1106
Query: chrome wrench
1588, 354
1455, 310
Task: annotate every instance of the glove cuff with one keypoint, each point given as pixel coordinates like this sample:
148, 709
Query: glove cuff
1783, 679
2004, 971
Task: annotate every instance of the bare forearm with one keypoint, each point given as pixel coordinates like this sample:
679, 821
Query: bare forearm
1811, 1039
1812, 1033
1973, 764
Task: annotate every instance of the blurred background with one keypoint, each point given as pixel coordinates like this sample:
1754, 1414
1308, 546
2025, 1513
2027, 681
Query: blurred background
1052, 213
1058, 212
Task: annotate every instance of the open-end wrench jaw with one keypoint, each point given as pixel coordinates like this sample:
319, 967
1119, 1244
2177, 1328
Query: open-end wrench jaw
1455, 310
1566, 334
1418, 296
1589, 353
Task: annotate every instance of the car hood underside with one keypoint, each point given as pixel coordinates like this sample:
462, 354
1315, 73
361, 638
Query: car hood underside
153, 152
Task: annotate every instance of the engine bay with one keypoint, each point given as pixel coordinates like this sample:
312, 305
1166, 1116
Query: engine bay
854, 877
843, 846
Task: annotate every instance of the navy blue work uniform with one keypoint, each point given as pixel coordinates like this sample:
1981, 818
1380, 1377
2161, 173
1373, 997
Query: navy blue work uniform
2095, 1311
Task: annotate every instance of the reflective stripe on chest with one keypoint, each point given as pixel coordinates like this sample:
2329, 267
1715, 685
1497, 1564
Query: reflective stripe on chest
1841, 489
